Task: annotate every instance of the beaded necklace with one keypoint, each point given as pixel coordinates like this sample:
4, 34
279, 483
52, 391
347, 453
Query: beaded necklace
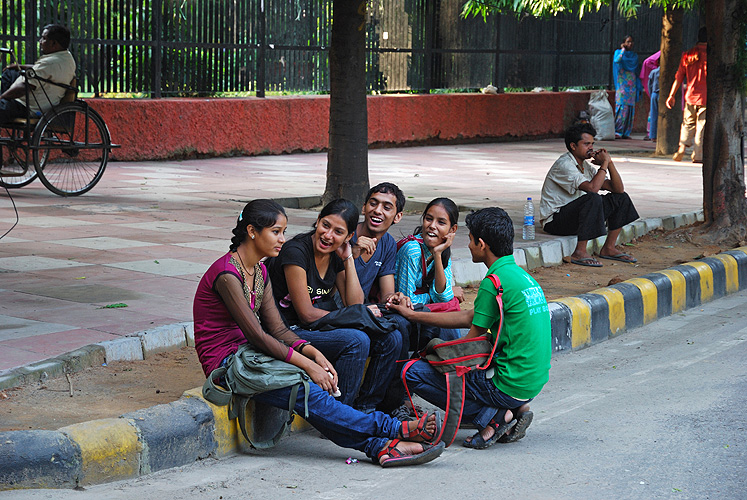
255, 293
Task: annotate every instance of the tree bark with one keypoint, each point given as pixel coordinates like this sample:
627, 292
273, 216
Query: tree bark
670, 120
724, 202
347, 158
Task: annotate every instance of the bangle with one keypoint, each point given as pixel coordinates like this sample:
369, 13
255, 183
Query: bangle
297, 343
348, 257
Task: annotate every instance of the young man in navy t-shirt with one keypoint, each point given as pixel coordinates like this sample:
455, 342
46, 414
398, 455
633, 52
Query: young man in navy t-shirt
375, 252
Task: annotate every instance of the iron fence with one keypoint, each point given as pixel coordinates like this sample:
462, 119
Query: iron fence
163, 48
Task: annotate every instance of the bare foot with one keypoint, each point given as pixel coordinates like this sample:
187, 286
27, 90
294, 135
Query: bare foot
404, 447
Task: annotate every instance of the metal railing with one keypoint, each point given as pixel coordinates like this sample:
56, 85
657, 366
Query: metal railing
164, 48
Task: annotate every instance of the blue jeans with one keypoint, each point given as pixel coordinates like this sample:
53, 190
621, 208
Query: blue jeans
653, 115
342, 424
414, 337
482, 399
348, 349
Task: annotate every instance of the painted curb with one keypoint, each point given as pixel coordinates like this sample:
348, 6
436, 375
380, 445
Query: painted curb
607, 312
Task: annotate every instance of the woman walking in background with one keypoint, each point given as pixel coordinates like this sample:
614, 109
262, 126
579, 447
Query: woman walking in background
627, 87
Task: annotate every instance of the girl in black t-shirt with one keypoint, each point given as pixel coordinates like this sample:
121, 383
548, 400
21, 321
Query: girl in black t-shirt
309, 271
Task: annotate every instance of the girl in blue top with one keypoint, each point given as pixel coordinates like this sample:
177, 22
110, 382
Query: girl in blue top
439, 225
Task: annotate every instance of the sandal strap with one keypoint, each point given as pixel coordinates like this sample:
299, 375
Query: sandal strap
419, 432
391, 450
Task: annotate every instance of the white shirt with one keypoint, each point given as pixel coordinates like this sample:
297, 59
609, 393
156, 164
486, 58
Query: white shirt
561, 185
59, 67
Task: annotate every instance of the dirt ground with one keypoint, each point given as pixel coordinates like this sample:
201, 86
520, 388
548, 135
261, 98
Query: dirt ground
121, 387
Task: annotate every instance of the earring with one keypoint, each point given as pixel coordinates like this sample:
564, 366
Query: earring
251, 236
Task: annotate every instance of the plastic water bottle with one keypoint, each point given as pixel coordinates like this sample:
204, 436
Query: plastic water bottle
528, 231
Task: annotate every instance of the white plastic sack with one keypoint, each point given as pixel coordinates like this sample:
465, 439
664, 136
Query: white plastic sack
602, 116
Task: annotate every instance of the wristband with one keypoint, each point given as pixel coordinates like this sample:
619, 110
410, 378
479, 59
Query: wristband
290, 353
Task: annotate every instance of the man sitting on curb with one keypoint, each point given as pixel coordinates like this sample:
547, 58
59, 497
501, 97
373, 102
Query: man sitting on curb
572, 206
497, 402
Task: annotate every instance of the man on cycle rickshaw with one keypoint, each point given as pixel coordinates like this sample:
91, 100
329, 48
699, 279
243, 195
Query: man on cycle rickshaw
56, 64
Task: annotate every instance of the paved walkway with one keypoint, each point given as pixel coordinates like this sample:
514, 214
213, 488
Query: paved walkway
146, 233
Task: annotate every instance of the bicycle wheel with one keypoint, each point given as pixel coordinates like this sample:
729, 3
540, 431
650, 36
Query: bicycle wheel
70, 149
16, 162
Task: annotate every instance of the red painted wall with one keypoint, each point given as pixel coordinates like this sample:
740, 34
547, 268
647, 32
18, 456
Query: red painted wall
177, 128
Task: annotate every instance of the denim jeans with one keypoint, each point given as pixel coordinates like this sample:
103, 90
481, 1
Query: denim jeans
348, 349
482, 399
414, 336
342, 424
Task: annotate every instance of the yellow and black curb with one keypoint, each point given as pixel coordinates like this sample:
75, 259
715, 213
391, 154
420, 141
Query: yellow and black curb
191, 429
596, 316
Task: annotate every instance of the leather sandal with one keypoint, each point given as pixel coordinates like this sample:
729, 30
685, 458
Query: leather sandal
520, 429
500, 427
419, 434
398, 459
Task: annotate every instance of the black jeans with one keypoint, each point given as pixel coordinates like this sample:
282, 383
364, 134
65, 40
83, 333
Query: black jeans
589, 216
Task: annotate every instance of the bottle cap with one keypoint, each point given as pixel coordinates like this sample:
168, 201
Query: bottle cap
529, 199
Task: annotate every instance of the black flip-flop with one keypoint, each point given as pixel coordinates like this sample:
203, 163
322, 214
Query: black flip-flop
620, 258
587, 261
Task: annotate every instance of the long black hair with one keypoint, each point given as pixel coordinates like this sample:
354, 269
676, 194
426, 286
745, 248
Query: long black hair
453, 212
257, 213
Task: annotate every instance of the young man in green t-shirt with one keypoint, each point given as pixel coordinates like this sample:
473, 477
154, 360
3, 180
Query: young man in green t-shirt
496, 400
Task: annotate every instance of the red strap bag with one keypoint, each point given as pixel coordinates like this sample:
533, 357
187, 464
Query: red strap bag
455, 359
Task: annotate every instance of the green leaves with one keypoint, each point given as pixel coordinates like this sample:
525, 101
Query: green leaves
545, 8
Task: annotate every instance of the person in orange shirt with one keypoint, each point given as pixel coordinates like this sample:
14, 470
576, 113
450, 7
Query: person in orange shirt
693, 66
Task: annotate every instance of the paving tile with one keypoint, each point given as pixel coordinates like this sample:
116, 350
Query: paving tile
49, 221
161, 267
168, 226
14, 358
214, 245
103, 243
18, 328
24, 264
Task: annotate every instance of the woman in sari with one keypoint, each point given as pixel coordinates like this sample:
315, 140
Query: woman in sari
627, 87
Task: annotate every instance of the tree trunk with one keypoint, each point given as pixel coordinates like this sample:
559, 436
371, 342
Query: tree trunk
724, 202
670, 120
347, 159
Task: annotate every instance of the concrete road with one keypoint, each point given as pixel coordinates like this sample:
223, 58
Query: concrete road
657, 413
